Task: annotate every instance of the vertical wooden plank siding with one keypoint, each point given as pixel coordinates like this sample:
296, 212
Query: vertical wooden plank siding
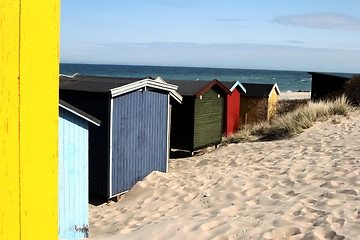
208, 124
139, 144
29, 51
252, 110
232, 105
9, 123
73, 176
272, 104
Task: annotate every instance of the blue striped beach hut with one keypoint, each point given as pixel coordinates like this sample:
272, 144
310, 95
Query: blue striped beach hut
133, 139
73, 171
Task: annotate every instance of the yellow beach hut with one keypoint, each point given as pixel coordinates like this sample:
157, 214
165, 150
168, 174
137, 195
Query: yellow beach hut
258, 103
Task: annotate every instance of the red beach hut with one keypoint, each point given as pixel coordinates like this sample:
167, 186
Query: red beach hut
232, 107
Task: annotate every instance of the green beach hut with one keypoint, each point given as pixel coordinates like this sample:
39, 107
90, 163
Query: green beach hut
198, 121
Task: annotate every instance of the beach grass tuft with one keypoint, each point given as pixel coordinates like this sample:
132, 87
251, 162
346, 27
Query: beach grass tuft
292, 123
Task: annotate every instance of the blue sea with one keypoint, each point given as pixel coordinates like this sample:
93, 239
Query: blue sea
293, 81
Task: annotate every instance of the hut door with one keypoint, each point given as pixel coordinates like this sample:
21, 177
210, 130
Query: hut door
139, 143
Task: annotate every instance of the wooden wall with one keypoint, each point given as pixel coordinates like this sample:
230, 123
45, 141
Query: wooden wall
252, 110
231, 113
73, 176
272, 105
208, 119
324, 86
182, 124
139, 138
29, 53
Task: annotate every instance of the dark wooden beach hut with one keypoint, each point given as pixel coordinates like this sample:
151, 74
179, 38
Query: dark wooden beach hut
198, 121
232, 107
133, 139
326, 85
73, 210
258, 103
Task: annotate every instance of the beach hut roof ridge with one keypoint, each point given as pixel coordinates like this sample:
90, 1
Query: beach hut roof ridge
197, 87
260, 90
231, 85
142, 84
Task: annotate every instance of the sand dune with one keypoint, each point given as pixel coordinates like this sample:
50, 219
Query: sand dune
306, 187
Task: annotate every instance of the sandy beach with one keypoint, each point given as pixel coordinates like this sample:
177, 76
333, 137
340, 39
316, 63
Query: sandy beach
305, 188
294, 95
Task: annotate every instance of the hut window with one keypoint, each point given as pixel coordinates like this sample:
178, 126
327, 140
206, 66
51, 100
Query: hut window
218, 95
200, 96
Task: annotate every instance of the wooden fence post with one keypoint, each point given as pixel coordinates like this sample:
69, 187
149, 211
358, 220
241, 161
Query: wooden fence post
29, 72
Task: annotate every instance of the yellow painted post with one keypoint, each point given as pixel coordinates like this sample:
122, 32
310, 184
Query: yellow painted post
9, 120
29, 51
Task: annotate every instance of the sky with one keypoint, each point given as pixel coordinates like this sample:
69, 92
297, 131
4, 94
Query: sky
304, 35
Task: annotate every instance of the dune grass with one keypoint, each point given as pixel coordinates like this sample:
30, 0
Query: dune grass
292, 123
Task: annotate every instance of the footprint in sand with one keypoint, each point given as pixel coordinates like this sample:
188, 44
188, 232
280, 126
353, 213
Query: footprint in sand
277, 196
291, 194
329, 195
287, 183
338, 222
315, 211
334, 202
333, 235
348, 192
310, 236
282, 233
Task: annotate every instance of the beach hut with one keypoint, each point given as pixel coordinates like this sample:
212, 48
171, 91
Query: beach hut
232, 107
325, 85
133, 139
198, 121
258, 103
73, 171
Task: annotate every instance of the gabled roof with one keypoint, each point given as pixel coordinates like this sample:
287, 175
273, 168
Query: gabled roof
175, 94
114, 85
79, 113
197, 87
231, 85
260, 90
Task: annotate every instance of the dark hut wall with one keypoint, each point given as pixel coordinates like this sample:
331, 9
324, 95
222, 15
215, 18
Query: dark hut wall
182, 124
97, 105
139, 138
208, 121
325, 86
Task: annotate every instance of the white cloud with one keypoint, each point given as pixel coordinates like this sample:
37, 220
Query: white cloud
321, 21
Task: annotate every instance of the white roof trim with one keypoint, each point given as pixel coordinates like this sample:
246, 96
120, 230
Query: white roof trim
275, 87
175, 94
64, 75
237, 83
78, 114
146, 83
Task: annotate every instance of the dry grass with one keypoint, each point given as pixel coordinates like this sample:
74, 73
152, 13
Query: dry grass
352, 90
286, 106
292, 123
